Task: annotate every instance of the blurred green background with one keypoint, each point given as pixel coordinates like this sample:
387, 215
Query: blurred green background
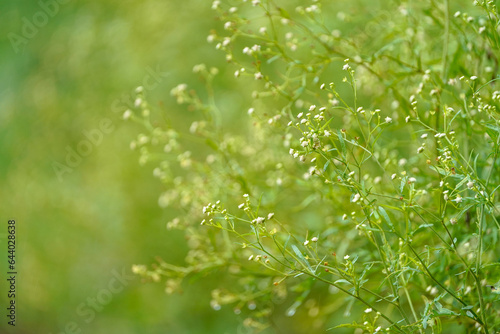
76, 69
76, 233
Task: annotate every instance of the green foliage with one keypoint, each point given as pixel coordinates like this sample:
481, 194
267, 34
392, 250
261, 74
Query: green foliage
362, 180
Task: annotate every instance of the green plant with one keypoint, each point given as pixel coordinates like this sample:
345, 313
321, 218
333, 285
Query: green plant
363, 179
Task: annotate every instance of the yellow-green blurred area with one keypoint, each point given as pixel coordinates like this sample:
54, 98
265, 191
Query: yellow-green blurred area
68, 72
77, 66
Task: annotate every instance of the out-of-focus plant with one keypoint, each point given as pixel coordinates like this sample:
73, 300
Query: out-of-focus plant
362, 179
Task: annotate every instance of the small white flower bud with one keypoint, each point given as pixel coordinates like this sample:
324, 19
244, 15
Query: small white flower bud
127, 114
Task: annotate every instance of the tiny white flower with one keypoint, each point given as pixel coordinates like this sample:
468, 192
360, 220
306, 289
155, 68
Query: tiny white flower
250, 111
368, 310
215, 4
420, 149
256, 48
157, 172
388, 119
300, 115
228, 25
250, 258
258, 76
306, 242
344, 217
334, 102
138, 102
393, 176
259, 220
473, 77
142, 139
458, 199
270, 216
423, 136
356, 198
412, 180
312, 107
314, 239
127, 114
407, 119
470, 184
346, 257
327, 133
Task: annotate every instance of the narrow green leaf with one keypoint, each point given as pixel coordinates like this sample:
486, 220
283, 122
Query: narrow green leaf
342, 281
342, 144
212, 144
465, 179
284, 13
270, 60
385, 215
301, 256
